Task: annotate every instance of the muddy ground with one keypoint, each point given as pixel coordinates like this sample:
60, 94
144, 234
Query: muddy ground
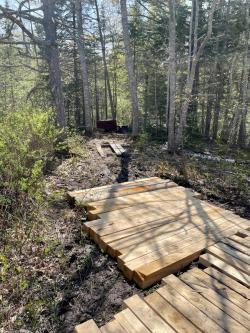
69, 279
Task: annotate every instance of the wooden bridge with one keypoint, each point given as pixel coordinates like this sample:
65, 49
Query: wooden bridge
154, 228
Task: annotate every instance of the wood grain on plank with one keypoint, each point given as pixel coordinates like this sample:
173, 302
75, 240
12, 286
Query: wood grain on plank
204, 305
147, 316
228, 281
168, 313
197, 317
228, 258
87, 327
210, 260
217, 299
130, 322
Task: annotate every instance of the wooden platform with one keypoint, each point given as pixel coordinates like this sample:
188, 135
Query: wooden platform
231, 256
198, 301
154, 227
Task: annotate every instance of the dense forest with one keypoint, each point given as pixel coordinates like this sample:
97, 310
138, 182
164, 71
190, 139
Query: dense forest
174, 74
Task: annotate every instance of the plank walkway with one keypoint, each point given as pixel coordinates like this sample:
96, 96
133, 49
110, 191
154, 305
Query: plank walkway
198, 301
154, 227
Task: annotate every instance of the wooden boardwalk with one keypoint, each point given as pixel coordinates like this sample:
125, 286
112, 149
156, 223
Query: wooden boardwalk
154, 227
198, 301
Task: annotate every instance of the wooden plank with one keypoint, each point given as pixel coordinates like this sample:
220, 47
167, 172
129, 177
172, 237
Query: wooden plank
198, 318
222, 289
209, 260
232, 251
143, 213
244, 233
150, 268
112, 327
169, 314
229, 282
242, 241
163, 246
130, 322
119, 146
122, 189
147, 316
227, 258
204, 305
165, 195
100, 150
217, 299
115, 148
87, 327
173, 232
235, 245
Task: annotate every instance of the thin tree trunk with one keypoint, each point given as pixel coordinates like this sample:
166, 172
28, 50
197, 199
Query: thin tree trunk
172, 76
225, 126
195, 58
243, 131
130, 69
84, 69
52, 56
96, 95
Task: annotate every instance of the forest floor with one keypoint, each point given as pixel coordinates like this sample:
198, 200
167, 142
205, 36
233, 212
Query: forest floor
61, 277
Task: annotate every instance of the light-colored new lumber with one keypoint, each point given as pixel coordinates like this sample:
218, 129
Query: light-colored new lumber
229, 259
112, 327
234, 252
174, 232
228, 281
217, 299
222, 289
210, 260
87, 327
240, 240
130, 322
168, 313
201, 303
147, 316
156, 265
198, 318
100, 150
236, 245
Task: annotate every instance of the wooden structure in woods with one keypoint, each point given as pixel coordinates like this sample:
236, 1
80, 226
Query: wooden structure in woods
209, 300
108, 125
153, 227
115, 147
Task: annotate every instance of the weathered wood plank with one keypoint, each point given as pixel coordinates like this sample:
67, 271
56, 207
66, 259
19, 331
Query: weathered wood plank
197, 317
204, 305
209, 260
168, 313
147, 316
87, 327
130, 322
228, 281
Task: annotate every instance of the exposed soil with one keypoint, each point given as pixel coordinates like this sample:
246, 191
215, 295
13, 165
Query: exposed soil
73, 280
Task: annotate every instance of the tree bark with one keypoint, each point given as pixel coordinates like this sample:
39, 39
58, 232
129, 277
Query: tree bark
195, 58
130, 69
243, 131
84, 68
52, 56
105, 62
172, 77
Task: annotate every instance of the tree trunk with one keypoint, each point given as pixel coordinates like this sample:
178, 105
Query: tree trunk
84, 69
195, 59
105, 62
172, 77
130, 69
52, 56
225, 126
243, 131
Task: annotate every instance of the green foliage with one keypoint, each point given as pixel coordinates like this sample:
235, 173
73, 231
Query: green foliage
27, 140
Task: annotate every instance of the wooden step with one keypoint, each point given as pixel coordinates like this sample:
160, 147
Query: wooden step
87, 327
